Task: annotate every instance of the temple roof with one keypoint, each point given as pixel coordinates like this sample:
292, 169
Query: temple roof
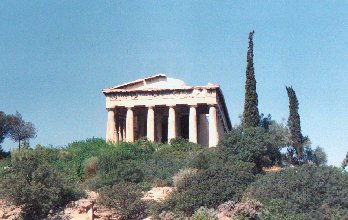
155, 82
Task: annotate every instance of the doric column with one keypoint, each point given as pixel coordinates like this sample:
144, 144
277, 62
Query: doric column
213, 127
120, 130
124, 135
111, 135
159, 127
150, 124
130, 125
171, 123
193, 124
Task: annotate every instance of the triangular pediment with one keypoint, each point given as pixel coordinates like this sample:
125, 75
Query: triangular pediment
159, 81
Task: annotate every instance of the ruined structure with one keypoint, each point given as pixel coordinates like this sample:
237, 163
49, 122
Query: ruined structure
162, 108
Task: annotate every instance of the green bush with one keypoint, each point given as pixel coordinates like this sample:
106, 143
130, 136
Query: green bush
252, 145
4, 165
306, 192
204, 213
127, 170
36, 187
163, 165
210, 187
125, 198
78, 152
3, 154
91, 166
183, 145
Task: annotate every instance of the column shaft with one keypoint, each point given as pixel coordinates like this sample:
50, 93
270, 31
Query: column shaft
171, 123
159, 127
111, 135
120, 130
150, 124
213, 128
193, 124
124, 135
130, 125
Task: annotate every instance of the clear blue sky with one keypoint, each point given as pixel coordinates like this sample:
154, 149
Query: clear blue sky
57, 56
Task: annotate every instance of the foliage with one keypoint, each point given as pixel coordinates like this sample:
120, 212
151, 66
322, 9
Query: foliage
168, 160
319, 156
125, 198
265, 121
3, 154
4, 166
35, 186
294, 123
76, 154
252, 145
251, 112
4, 126
142, 161
345, 162
183, 176
204, 213
210, 187
91, 166
167, 216
19, 129
248, 209
305, 192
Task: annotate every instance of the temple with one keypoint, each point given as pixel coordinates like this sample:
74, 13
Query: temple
161, 108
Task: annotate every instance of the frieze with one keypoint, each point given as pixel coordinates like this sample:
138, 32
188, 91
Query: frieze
172, 94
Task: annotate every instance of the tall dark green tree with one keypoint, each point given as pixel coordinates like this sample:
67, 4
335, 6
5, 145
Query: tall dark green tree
251, 111
4, 126
345, 162
294, 123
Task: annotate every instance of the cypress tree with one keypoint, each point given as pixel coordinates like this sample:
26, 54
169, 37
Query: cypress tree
294, 123
251, 112
345, 162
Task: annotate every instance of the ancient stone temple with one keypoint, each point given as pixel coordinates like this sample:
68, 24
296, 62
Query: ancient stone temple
162, 108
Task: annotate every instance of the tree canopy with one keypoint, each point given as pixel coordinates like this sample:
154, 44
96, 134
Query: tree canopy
19, 129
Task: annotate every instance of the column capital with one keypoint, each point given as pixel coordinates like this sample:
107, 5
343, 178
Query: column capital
193, 106
171, 105
150, 106
212, 105
129, 107
110, 109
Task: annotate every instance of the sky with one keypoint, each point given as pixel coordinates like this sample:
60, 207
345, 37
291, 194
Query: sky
57, 56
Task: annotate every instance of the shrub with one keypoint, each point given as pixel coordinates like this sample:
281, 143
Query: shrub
305, 192
249, 209
204, 213
251, 145
36, 187
181, 178
80, 151
202, 159
127, 170
125, 198
91, 167
210, 187
163, 165
227, 208
167, 216
3, 154
183, 145
4, 166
